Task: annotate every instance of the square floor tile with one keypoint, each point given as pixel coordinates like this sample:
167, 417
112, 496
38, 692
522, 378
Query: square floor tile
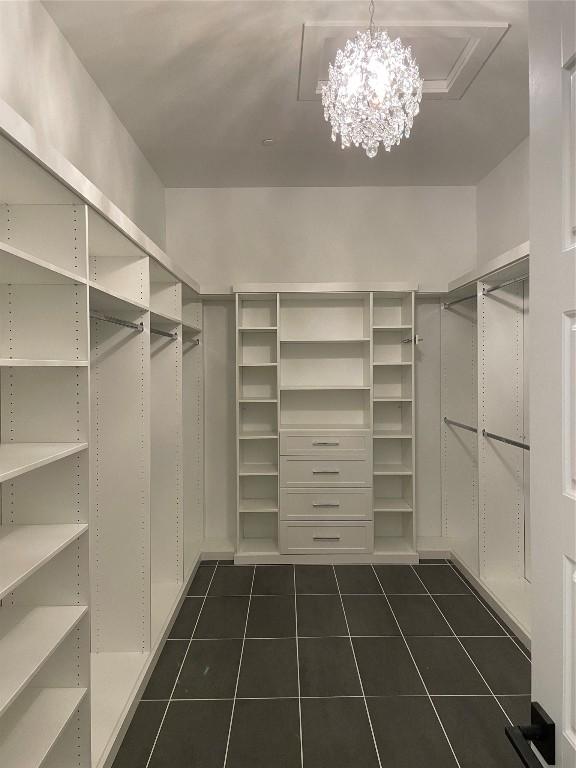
183, 627
505, 668
445, 667
193, 735
336, 734
222, 617
269, 669
517, 708
467, 616
441, 580
418, 616
201, 580
210, 670
399, 580
265, 733
475, 727
408, 733
232, 580
165, 672
357, 580
327, 667
320, 615
272, 617
273, 580
369, 615
386, 667
315, 580
140, 736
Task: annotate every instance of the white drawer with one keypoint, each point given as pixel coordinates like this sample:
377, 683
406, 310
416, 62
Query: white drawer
298, 472
325, 538
329, 504
330, 444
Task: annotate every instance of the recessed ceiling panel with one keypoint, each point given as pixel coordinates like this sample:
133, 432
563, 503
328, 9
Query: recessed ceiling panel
449, 55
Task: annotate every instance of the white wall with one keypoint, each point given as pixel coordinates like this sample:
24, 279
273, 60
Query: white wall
502, 202
225, 236
43, 81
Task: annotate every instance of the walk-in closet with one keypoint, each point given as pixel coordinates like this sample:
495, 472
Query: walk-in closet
287, 384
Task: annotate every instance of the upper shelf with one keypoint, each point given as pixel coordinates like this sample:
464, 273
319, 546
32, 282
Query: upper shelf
108, 301
19, 458
18, 267
26, 548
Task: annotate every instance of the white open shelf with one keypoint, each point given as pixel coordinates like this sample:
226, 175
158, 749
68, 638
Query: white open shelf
108, 301
392, 469
258, 546
19, 458
26, 548
392, 505
28, 637
258, 505
19, 267
32, 726
9, 362
255, 470
320, 340
393, 545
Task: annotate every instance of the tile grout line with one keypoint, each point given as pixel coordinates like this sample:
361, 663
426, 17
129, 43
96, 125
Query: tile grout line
181, 665
298, 668
464, 648
239, 668
357, 669
349, 695
417, 669
490, 611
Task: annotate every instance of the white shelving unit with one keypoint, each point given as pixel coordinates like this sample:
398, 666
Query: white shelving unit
324, 384
101, 475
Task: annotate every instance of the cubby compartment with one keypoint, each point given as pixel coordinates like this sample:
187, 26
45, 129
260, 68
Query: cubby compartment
322, 409
258, 419
257, 383
392, 346
116, 264
393, 533
393, 382
258, 532
393, 311
393, 493
393, 457
393, 419
326, 318
43, 324
257, 311
258, 494
53, 234
165, 292
325, 366
256, 347
258, 457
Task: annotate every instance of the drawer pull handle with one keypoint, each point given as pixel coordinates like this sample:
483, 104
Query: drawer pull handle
326, 504
326, 538
325, 443
325, 471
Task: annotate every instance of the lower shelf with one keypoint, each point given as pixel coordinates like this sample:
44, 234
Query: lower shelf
258, 505
258, 546
33, 725
393, 545
392, 505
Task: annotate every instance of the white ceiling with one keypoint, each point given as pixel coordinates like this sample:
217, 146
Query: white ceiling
199, 85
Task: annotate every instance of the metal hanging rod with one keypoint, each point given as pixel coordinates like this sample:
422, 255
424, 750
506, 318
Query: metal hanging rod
506, 440
486, 291
447, 304
459, 424
117, 321
168, 334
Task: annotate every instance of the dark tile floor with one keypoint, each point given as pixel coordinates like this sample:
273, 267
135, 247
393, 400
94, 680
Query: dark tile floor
320, 667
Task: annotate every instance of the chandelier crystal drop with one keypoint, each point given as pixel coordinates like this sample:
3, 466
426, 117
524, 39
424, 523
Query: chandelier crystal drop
373, 91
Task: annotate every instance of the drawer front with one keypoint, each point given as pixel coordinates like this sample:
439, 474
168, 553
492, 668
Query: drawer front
297, 472
329, 504
338, 446
325, 538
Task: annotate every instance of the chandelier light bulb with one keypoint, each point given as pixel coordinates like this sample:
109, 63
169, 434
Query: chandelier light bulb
373, 92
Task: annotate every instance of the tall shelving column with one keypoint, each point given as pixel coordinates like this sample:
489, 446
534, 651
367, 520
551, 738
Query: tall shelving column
257, 423
394, 425
44, 626
120, 578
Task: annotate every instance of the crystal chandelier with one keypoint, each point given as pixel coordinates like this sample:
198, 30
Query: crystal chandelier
373, 91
